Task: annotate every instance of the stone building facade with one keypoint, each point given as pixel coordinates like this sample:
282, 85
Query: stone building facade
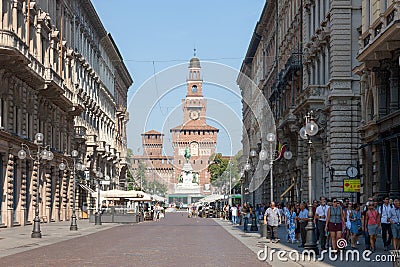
379, 71
259, 70
60, 74
316, 46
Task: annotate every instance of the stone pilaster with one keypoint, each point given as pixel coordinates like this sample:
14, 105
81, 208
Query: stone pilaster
383, 171
47, 180
394, 175
24, 193
10, 189
343, 140
394, 88
57, 197
64, 195
381, 84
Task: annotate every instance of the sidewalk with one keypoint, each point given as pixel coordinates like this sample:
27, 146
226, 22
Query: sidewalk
253, 241
18, 239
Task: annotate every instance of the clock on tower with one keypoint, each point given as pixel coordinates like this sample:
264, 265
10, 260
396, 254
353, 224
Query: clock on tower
194, 114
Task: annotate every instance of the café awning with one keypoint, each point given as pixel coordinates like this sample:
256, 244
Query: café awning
115, 193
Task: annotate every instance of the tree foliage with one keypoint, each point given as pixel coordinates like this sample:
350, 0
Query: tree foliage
217, 167
222, 172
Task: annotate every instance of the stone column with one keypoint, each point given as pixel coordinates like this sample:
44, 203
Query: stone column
64, 196
9, 181
394, 176
394, 88
317, 17
23, 217
15, 15
317, 174
381, 85
312, 22
57, 197
33, 189
48, 179
383, 172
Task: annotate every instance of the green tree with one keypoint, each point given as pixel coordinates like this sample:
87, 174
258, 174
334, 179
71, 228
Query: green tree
217, 167
222, 170
130, 180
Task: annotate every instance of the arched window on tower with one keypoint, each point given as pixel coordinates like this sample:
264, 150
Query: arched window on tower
194, 89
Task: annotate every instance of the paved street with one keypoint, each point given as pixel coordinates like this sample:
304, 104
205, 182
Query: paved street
255, 243
174, 241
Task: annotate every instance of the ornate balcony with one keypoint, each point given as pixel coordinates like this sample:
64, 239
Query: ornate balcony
91, 140
312, 95
382, 37
101, 146
15, 57
80, 133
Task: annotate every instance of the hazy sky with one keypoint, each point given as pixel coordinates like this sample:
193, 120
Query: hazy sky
158, 37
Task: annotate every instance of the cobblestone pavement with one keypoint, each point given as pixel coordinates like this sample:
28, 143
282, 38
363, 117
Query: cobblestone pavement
174, 241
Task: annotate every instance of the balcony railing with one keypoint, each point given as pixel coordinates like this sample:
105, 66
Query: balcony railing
381, 24
53, 79
312, 93
80, 132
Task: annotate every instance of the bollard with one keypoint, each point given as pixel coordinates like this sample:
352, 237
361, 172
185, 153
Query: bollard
97, 218
263, 229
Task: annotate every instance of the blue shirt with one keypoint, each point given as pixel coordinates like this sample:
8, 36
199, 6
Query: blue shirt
303, 214
395, 215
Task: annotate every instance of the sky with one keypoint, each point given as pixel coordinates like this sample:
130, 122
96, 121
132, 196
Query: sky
157, 39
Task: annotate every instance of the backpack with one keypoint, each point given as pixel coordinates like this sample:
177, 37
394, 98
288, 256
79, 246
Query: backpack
380, 208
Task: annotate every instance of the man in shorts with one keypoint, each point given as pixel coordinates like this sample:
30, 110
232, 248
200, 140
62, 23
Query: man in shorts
395, 222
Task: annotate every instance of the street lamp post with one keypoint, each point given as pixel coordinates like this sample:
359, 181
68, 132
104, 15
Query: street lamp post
241, 187
230, 184
43, 153
97, 218
306, 132
253, 154
272, 155
77, 167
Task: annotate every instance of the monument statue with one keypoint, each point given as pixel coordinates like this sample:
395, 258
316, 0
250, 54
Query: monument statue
187, 154
194, 181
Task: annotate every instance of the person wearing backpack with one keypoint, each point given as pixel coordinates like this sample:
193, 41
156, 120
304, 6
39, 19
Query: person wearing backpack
384, 212
395, 221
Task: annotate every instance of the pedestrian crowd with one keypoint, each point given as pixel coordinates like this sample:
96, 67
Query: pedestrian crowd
333, 220
338, 219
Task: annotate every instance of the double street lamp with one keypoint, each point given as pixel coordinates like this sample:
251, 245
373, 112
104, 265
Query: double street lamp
272, 156
43, 153
306, 132
97, 218
77, 167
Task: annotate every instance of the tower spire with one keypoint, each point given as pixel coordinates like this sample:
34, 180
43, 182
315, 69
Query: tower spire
194, 51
